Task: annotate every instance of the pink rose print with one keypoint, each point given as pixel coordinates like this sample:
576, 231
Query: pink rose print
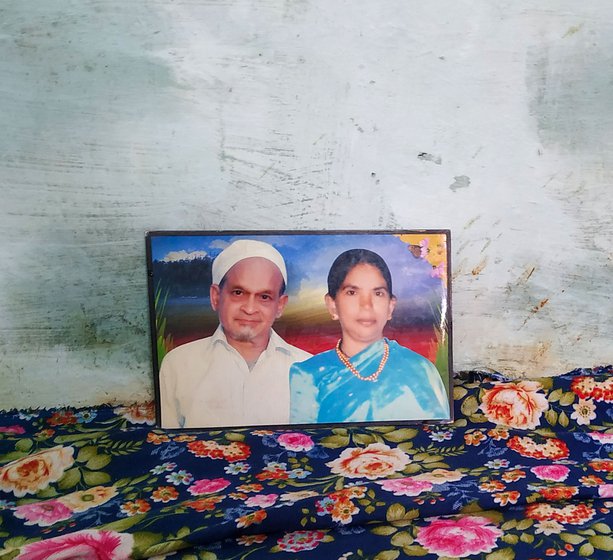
605, 490
208, 486
551, 472
295, 441
602, 438
301, 540
406, 486
438, 271
90, 544
423, 248
459, 538
12, 430
261, 500
43, 513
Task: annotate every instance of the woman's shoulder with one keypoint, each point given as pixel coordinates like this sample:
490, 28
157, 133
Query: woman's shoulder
402, 352
315, 362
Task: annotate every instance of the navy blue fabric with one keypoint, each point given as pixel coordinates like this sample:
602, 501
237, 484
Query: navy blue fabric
525, 471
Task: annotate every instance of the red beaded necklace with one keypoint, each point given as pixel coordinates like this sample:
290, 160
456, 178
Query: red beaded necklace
345, 360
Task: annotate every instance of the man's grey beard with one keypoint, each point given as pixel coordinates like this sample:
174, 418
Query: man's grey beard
244, 335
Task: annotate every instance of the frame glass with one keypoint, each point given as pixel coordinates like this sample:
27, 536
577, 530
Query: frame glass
380, 354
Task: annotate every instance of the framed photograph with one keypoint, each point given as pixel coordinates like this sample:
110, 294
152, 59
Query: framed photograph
267, 328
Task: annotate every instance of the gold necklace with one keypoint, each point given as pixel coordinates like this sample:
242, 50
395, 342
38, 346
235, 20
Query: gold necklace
345, 360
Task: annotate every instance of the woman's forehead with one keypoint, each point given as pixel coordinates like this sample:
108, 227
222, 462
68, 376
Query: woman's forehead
365, 274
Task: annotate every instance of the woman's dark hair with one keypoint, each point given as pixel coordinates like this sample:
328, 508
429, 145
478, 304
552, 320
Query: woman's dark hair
351, 258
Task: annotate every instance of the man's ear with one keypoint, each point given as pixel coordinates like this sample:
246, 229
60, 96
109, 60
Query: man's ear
281, 305
392, 306
214, 293
331, 305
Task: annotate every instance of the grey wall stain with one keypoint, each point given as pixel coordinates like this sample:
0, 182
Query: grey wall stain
460, 182
572, 30
570, 81
571, 90
430, 157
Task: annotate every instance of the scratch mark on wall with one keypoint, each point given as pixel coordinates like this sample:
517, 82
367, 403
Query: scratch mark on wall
479, 268
460, 182
535, 310
488, 241
472, 221
541, 349
540, 305
458, 269
527, 274
265, 172
430, 157
549, 180
523, 279
356, 125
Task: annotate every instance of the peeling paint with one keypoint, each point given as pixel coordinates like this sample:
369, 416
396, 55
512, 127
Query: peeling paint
430, 157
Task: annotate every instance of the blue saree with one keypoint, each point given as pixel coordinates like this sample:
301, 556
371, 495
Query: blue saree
323, 390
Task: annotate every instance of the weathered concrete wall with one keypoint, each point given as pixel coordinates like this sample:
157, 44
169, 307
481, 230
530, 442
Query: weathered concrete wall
492, 119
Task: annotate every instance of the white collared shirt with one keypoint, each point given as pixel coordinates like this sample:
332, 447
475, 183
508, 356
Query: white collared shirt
207, 383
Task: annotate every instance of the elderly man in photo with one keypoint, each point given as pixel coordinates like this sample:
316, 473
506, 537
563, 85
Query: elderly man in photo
239, 376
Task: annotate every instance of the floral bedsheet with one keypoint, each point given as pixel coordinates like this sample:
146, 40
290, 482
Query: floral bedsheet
525, 471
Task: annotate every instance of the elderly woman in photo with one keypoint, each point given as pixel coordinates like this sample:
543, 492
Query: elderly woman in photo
366, 377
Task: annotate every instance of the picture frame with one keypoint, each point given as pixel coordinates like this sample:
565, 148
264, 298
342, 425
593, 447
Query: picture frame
221, 379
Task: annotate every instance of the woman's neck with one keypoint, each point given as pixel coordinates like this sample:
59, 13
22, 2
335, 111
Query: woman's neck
351, 347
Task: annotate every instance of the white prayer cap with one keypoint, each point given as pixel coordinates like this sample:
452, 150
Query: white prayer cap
244, 249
